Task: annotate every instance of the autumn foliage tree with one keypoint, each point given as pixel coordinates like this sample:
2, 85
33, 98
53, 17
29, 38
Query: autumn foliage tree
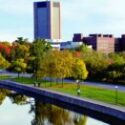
5, 49
57, 64
38, 49
79, 71
19, 66
61, 64
3, 62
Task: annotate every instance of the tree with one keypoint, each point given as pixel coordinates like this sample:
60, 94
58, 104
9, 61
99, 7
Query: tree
79, 70
20, 48
5, 49
116, 69
84, 48
21, 41
19, 66
21, 51
117, 58
115, 72
18, 98
38, 49
80, 119
96, 64
57, 64
3, 62
3, 94
52, 114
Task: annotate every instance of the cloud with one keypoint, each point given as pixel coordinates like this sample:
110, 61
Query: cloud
84, 16
105, 16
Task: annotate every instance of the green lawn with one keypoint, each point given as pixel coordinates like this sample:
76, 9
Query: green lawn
91, 92
32, 80
3, 77
24, 80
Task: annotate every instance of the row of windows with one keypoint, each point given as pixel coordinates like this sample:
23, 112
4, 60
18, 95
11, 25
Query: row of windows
44, 4
41, 4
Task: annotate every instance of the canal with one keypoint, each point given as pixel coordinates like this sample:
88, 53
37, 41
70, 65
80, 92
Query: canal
18, 109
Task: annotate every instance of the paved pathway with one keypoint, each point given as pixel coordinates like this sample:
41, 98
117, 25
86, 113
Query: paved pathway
99, 84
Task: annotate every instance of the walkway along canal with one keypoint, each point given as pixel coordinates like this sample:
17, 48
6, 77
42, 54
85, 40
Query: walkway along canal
105, 112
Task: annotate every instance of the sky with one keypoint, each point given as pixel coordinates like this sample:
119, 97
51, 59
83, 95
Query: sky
78, 16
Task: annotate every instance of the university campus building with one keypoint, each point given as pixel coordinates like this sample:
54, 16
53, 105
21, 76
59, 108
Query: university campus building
47, 25
105, 43
47, 20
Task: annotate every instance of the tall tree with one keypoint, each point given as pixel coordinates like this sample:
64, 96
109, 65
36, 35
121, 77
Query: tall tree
79, 71
21, 40
57, 64
38, 49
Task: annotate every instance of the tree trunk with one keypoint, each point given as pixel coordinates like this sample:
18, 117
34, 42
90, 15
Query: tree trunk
78, 85
56, 81
50, 82
18, 74
45, 82
62, 82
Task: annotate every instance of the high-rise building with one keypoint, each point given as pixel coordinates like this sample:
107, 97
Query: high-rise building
47, 22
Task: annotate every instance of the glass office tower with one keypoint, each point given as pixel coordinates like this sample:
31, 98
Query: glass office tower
47, 22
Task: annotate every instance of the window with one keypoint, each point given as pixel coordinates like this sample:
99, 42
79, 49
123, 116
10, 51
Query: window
41, 4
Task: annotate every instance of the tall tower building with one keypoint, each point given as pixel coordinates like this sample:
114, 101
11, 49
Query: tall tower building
47, 22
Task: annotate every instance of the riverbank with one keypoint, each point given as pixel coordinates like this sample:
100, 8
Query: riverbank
105, 112
87, 91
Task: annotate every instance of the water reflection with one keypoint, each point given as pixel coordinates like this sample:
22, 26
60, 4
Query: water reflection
18, 99
44, 114
3, 94
53, 115
49, 114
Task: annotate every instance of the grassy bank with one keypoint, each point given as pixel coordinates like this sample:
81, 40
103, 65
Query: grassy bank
3, 77
91, 92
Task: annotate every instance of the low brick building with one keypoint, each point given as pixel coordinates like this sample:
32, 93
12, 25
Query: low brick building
99, 42
105, 43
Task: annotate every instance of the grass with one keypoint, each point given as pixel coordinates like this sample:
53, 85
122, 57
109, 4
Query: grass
24, 80
29, 81
91, 92
4, 77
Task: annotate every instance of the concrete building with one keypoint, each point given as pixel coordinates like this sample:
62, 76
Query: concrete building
102, 43
77, 37
120, 43
47, 20
99, 42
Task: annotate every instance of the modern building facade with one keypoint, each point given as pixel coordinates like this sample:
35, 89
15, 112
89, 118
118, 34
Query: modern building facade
47, 20
120, 43
78, 37
100, 42
103, 43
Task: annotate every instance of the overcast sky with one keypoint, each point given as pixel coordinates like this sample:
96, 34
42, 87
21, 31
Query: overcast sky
85, 16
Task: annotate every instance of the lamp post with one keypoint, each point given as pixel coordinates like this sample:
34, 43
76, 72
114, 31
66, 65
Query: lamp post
78, 87
116, 94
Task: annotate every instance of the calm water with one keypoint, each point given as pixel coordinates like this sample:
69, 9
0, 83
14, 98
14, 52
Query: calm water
16, 109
